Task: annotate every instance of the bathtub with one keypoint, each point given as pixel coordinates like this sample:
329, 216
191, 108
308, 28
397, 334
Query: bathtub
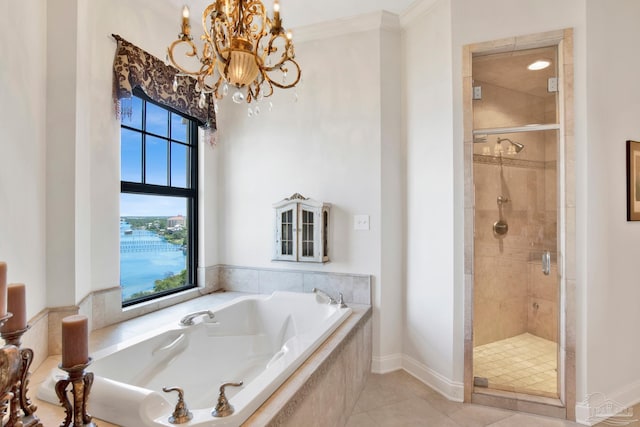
259, 340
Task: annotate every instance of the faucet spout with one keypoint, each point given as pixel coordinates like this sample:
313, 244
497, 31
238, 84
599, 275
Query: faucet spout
188, 319
326, 295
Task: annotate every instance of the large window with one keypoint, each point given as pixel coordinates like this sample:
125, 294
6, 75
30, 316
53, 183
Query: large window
158, 202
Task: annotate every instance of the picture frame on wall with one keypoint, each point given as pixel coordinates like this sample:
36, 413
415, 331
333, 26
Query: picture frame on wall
633, 181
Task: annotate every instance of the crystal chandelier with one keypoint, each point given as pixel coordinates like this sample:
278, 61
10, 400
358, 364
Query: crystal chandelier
242, 47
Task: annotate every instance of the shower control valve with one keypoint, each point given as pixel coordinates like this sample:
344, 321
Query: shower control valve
502, 199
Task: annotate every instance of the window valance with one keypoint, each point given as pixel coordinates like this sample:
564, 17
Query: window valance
133, 67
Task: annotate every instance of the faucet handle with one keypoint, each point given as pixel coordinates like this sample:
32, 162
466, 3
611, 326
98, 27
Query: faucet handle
223, 407
341, 301
181, 413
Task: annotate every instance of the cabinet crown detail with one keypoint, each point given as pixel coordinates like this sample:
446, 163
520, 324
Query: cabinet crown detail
301, 230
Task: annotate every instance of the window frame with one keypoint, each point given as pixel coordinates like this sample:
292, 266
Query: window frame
190, 193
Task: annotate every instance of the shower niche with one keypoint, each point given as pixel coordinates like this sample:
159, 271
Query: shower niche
516, 286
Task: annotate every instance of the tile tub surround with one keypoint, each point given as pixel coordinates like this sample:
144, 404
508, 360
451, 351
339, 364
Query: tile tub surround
356, 288
325, 389
348, 351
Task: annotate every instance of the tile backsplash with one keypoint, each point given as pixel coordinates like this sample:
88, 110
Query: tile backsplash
356, 288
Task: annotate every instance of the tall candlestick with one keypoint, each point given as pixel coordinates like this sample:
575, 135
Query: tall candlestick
3, 288
16, 305
75, 341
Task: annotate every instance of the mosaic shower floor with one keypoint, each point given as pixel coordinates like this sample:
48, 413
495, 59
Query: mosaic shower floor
524, 363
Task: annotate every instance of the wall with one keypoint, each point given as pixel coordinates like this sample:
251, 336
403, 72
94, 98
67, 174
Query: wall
609, 245
430, 338
327, 146
23, 147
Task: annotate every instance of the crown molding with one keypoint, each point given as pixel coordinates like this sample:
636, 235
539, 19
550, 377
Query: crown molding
415, 10
380, 20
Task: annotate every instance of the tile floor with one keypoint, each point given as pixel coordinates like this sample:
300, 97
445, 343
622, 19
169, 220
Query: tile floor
524, 363
397, 399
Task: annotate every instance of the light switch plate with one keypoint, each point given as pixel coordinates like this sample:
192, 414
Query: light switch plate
361, 222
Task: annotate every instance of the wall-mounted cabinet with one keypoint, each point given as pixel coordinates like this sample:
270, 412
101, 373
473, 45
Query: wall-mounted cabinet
301, 230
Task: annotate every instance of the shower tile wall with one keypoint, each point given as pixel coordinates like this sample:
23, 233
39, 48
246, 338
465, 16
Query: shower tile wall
512, 295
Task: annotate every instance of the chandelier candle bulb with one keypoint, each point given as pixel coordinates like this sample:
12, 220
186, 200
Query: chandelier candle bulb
3, 289
186, 27
16, 305
75, 341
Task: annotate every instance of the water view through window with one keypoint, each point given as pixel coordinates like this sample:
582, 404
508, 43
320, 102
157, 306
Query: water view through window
153, 244
158, 201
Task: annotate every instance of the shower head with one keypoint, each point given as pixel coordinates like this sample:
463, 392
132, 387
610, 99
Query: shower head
519, 147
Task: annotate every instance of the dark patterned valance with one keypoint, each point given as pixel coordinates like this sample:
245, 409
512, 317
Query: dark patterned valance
133, 67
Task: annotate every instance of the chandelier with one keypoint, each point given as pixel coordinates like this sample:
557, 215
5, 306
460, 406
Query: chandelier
242, 47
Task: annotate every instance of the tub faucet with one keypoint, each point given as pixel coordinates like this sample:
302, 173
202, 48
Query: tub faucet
330, 298
323, 293
188, 319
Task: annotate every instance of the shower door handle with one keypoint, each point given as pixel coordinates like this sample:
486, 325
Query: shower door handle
546, 262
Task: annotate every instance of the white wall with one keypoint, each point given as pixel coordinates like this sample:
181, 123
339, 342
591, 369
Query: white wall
610, 309
429, 336
327, 146
22, 146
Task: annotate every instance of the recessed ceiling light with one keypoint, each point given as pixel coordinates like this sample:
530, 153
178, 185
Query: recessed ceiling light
540, 64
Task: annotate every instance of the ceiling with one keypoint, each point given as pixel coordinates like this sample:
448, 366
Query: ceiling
509, 70
298, 13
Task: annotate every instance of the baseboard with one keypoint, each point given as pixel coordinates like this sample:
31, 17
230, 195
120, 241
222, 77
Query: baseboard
616, 407
386, 364
450, 389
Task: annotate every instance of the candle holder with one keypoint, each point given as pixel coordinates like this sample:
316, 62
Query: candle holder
3, 319
9, 380
81, 382
20, 400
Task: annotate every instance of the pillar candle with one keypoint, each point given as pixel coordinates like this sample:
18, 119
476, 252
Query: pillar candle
3, 288
16, 305
75, 341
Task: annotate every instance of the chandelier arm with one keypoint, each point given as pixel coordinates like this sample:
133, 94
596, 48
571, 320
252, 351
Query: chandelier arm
270, 85
221, 37
192, 53
208, 12
298, 76
286, 54
253, 10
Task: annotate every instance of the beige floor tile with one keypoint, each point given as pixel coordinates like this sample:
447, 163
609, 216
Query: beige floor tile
362, 419
523, 420
414, 412
526, 360
479, 416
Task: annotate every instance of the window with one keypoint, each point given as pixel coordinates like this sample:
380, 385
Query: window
158, 201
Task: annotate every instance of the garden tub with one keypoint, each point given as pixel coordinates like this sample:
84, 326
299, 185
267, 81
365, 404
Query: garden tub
257, 340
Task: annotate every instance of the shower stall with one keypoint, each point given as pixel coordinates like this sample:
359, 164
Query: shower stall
516, 284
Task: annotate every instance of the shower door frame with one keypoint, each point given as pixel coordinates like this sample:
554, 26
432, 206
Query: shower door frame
564, 406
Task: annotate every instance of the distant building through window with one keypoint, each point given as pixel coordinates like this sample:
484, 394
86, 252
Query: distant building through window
158, 202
